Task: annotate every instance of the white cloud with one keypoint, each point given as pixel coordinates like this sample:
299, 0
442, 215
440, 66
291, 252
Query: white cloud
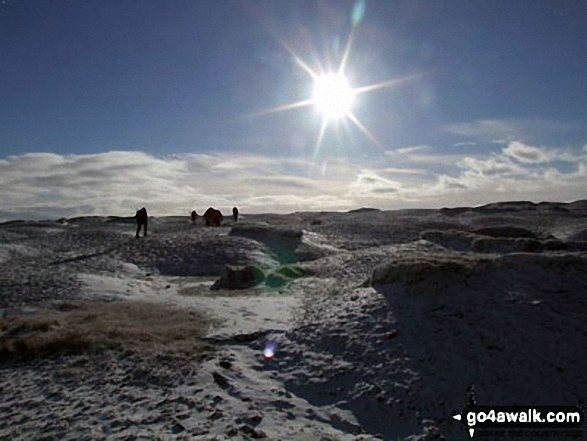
465, 144
119, 182
527, 153
495, 165
407, 150
446, 184
404, 171
44, 185
485, 128
498, 177
485, 178
368, 183
290, 203
287, 182
506, 129
425, 154
537, 155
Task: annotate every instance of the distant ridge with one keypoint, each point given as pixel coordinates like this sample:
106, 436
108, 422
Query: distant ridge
514, 206
13, 222
121, 219
363, 210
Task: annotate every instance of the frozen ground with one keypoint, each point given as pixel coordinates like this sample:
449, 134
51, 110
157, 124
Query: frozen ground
390, 319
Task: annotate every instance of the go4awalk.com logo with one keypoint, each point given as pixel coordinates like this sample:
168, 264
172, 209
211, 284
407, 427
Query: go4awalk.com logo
539, 418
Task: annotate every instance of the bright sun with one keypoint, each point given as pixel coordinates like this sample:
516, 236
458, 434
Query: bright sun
333, 96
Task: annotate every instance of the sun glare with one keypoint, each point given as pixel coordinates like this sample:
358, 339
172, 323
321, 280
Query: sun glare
333, 95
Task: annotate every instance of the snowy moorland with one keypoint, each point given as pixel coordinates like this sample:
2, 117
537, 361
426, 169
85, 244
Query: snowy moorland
310, 326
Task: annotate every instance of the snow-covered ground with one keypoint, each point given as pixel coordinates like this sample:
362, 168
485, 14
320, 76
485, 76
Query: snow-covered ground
381, 322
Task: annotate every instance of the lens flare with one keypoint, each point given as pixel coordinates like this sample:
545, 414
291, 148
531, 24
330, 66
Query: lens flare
358, 12
269, 351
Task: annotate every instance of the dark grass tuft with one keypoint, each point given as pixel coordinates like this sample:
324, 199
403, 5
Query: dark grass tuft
96, 326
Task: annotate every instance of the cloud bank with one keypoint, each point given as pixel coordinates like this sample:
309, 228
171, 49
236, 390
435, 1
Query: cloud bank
47, 185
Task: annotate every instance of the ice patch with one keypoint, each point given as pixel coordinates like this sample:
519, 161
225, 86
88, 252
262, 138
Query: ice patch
318, 241
94, 285
130, 268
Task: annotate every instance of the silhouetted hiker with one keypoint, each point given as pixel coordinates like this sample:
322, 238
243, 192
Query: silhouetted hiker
141, 218
194, 215
235, 213
213, 217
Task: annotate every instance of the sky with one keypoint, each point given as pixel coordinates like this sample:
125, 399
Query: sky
108, 105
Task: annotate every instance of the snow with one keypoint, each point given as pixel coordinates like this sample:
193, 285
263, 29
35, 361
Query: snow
393, 317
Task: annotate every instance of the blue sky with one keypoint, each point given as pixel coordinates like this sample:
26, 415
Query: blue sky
493, 106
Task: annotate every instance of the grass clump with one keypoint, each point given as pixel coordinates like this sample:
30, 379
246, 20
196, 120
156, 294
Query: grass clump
137, 327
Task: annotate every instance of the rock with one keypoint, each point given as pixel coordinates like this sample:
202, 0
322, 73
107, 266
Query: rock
506, 231
430, 434
232, 432
250, 337
239, 277
177, 427
252, 432
217, 414
453, 239
254, 420
506, 245
392, 334
225, 364
220, 380
450, 270
554, 245
577, 246
579, 236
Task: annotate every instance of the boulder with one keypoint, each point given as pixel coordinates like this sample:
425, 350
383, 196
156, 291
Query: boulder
506, 231
239, 277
